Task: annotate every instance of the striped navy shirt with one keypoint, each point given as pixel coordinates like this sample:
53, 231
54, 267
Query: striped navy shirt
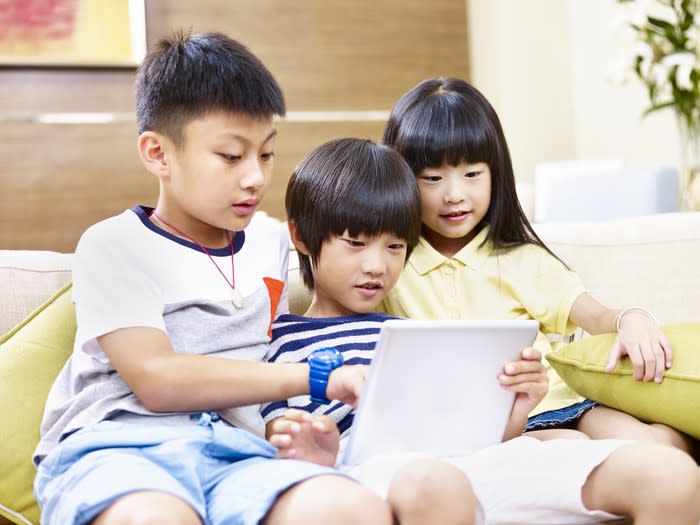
294, 338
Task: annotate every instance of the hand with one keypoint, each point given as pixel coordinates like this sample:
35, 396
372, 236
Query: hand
528, 379
301, 435
641, 339
346, 383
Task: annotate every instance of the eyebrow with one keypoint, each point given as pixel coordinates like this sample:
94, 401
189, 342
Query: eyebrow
245, 140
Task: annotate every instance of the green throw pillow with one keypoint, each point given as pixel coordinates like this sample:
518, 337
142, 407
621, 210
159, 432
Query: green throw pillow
675, 402
31, 356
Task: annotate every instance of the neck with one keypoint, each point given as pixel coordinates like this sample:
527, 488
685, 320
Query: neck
214, 238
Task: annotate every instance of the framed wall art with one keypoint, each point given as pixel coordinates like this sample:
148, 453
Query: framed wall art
72, 33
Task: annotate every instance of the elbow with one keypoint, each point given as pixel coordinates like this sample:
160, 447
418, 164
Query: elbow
155, 391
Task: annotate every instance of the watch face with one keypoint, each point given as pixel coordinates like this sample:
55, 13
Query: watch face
327, 355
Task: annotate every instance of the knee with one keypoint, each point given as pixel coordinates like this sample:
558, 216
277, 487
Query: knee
556, 433
667, 475
148, 508
330, 499
432, 488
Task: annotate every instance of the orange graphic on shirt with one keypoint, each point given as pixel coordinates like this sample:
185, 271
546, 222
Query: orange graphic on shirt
275, 287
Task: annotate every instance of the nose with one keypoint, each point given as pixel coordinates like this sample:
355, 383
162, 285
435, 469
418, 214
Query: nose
255, 175
454, 192
373, 263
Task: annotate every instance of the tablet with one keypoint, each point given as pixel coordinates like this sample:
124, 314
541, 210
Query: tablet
432, 388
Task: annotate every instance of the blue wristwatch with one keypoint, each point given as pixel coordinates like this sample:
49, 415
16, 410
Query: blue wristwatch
321, 363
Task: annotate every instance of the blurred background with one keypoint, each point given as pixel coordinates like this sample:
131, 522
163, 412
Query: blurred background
67, 131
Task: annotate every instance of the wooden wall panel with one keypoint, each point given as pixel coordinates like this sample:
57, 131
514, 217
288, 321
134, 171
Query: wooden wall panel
333, 54
55, 180
59, 179
83, 173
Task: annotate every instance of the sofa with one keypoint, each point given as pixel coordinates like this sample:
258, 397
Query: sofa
651, 261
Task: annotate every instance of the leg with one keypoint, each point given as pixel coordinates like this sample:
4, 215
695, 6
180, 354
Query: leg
651, 483
603, 422
556, 433
141, 508
430, 491
329, 499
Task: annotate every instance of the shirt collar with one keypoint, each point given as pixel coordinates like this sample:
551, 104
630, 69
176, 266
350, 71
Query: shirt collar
425, 258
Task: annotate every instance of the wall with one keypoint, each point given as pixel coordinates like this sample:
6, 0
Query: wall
328, 55
545, 65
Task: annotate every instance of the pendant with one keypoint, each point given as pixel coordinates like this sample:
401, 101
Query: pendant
237, 298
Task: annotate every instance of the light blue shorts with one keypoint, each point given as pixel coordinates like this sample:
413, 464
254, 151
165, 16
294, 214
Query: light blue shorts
227, 475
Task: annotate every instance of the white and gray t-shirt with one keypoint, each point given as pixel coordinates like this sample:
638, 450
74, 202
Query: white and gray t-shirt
128, 272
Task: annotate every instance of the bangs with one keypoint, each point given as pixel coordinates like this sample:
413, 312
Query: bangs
444, 130
376, 198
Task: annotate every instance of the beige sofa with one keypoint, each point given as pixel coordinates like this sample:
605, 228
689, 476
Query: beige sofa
650, 261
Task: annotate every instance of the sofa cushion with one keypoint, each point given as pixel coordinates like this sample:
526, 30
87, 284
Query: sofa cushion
31, 356
28, 278
675, 402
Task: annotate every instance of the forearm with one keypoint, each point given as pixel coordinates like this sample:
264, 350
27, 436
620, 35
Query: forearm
592, 316
515, 426
183, 383
166, 381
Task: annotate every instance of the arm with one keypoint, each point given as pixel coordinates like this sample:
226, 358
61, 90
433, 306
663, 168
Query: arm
165, 381
639, 336
300, 435
528, 379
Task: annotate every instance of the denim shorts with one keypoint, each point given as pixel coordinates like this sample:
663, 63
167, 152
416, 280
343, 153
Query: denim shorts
227, 475
561, 418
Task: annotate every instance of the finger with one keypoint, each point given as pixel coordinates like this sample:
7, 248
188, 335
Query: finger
286, 426
637, 362
287, 453
654, 362
521, 367
614, 357
659, 362
531, 354
298, 415
534, 377
280, 441
668, 350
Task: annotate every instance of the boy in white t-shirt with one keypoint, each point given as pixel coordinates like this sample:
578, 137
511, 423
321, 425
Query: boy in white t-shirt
154, 418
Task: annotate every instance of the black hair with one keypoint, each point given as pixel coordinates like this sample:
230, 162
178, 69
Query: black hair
188, 75
447, 121
355, 185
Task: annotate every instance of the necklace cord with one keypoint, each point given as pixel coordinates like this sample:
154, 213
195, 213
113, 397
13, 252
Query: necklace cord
232, 282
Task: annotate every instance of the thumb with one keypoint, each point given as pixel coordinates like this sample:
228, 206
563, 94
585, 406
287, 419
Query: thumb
614, 357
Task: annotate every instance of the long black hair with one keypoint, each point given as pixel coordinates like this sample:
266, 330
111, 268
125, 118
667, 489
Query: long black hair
447, 121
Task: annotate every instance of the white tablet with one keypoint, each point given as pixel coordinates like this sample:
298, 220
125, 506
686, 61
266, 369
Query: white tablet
432, 388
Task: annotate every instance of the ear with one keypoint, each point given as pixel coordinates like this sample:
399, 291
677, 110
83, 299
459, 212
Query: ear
296, 239
152, 152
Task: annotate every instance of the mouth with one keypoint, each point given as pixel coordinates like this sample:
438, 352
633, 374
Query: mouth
246, 207
370, 288
455, 215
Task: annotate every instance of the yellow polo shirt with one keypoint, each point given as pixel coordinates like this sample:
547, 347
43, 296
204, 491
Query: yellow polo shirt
524, 282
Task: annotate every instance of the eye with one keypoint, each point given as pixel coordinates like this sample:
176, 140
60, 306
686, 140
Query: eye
229, 158
353, 242
431, 178
267, 156
397, 246
472, 174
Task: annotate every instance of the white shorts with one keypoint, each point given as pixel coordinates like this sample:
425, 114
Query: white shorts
523, 480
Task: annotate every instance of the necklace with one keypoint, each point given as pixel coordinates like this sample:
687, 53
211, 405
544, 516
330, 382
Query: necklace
236, 297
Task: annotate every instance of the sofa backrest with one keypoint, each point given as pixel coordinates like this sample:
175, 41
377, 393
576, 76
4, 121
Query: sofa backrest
27, 279
650, 261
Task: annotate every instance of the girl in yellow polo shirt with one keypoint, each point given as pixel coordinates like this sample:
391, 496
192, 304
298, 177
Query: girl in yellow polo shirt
479, 257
